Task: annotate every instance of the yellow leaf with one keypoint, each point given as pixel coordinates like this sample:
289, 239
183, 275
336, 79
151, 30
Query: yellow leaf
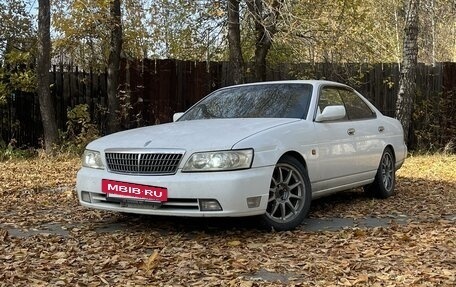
361, 279
246, 284
3, 235
103, 280
447, 272
345, 282
151, 262
234, 243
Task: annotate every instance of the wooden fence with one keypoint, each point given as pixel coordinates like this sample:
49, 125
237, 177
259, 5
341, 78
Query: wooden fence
152, 90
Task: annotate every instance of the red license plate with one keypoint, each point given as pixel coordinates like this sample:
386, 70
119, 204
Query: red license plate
125, 189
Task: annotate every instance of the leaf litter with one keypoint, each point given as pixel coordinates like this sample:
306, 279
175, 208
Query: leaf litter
156, 251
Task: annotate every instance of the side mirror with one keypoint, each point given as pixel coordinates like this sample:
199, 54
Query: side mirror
177, 116
331, 113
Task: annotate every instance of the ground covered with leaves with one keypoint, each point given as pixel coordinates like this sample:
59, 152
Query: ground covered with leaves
47, 239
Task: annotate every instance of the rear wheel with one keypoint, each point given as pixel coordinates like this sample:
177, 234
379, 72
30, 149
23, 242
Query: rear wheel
385, 179
289, 195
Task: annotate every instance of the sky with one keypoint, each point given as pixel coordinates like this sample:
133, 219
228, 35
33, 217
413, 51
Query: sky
32, 6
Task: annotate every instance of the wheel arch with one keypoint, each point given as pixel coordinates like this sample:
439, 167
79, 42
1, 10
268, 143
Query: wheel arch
390, 146
297, 156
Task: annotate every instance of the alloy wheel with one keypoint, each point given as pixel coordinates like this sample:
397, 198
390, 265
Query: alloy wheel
387, 171
286, 194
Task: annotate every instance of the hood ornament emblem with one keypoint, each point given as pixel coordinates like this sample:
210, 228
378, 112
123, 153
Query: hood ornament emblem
147, 143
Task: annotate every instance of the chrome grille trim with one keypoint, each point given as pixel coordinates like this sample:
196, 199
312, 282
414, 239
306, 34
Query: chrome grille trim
143, 162
171, 204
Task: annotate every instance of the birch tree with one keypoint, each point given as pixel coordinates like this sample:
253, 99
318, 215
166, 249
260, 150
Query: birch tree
407, 81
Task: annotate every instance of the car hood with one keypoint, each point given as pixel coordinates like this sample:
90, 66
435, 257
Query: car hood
197, 135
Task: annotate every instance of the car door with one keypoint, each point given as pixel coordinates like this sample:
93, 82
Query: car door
336, 148
365, 133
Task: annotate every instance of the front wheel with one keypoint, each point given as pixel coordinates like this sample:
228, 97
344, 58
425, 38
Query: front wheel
385, 179
289, 195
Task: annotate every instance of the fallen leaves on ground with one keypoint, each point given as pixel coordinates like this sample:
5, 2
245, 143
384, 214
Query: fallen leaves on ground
153, 251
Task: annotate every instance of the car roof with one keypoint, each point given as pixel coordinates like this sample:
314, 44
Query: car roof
311, 82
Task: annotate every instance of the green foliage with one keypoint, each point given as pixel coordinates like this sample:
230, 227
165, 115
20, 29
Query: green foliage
10, 151
82, 31
16, 57
24, 80
434, 126
188, 30
79, 130
3, 92
17, 42
16, 28
17, 74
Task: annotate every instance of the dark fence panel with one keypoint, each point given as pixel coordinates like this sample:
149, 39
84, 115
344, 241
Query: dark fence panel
152, 90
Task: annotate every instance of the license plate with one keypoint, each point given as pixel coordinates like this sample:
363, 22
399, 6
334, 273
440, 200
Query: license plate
125, 189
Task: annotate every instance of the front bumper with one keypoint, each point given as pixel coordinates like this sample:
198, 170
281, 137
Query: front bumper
231, 189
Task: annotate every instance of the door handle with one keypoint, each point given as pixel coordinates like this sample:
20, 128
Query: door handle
381, 129
351, 131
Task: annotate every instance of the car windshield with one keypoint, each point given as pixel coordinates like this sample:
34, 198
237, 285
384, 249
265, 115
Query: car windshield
254, 101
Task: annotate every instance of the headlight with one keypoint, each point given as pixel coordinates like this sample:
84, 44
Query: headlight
219, 160
92, 159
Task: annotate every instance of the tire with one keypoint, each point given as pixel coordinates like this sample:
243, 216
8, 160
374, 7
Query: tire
385, 179
289, 195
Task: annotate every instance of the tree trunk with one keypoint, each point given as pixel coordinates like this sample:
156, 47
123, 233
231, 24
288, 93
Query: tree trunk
236, 62
265, 28
114, 67
407, 81
42, 72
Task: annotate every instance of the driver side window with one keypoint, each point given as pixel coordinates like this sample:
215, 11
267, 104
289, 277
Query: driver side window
329, 97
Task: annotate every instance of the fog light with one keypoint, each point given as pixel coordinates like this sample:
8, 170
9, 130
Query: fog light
253, 202
209, 205
85, 196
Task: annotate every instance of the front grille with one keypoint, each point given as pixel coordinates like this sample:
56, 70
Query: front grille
143, 163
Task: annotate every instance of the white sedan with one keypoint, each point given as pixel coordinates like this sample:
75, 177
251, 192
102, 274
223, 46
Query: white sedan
264, 149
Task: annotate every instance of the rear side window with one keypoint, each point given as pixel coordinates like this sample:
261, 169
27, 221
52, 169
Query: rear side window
356, 108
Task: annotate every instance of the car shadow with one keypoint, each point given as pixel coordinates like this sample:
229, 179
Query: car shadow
344, 198
171, 224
